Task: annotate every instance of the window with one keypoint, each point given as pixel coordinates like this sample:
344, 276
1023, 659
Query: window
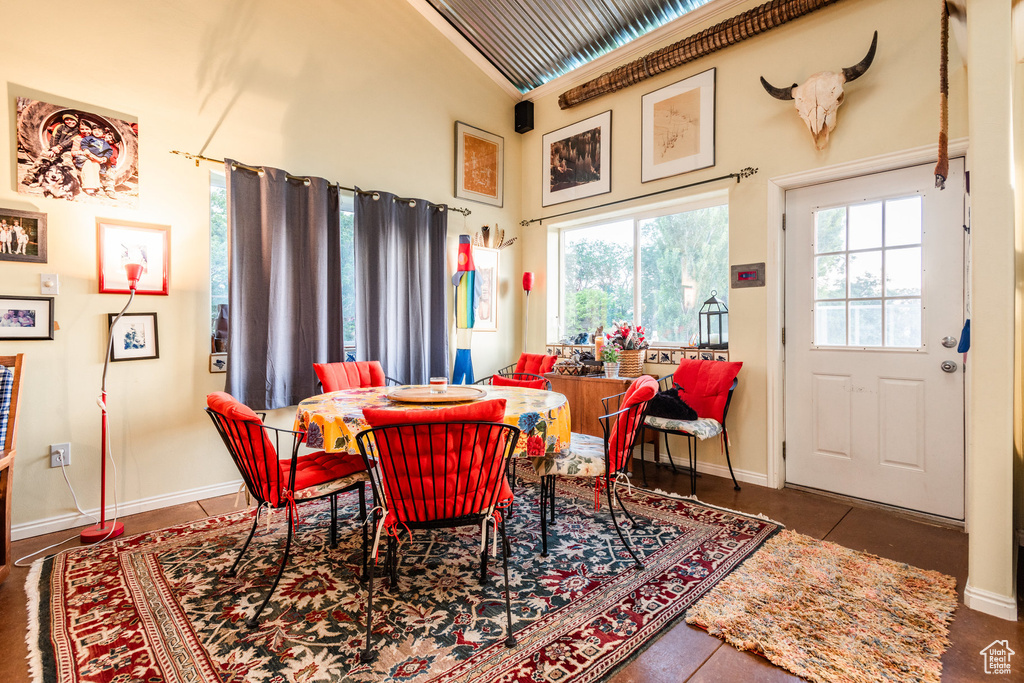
219, 262
654, 270
867, 283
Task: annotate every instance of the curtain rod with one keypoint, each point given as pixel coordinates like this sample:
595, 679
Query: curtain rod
259, 171
738, 175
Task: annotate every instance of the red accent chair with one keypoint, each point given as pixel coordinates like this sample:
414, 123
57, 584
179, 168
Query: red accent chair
526, 372
525, 380
707, 387
438, 468
604, 459
277, 483
352, 375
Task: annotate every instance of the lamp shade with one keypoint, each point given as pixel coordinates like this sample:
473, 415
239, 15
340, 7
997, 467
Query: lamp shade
134, 273
528, 281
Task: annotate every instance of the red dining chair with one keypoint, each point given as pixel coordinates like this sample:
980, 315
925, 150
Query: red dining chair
525, 380
352, 375
533, 363
707, 387
602, 458
434, 469
276, 483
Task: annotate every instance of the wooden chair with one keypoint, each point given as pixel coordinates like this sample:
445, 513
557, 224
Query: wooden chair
10, 393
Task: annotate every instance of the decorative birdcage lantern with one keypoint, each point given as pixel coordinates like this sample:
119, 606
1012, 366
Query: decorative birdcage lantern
713, 320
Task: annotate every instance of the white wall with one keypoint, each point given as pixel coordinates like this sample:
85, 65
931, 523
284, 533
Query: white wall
357, 92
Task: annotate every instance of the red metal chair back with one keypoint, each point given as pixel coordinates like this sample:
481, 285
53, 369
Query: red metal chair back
250, 447
622, 438
352, 375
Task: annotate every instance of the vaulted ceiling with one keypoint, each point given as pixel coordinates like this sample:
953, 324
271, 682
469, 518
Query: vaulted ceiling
531, 42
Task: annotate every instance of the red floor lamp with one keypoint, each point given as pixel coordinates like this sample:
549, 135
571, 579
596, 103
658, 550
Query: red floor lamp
527, 287
104, 530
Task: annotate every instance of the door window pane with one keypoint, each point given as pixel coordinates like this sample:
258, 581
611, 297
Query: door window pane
903, 323
830, 323
866, 274
866, 323
903, 272
831, 280
830, 230
903, 221
865, 226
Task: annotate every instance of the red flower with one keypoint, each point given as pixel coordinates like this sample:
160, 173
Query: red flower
535, 446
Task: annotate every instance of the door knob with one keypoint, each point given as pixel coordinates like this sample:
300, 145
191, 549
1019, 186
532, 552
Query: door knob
948, 366
949, 342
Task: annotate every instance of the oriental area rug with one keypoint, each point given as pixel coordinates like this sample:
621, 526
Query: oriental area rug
833, 615
159, 606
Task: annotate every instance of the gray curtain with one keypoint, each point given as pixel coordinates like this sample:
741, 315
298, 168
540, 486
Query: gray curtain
401, 310
284, 295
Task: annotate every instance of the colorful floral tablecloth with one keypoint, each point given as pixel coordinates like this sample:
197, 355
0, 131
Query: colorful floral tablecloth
333, 420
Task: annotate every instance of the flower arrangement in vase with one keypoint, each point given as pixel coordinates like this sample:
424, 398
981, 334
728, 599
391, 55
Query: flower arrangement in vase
631, 341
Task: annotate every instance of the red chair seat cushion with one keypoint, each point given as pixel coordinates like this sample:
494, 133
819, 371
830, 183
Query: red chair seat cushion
417, 495
320, 473
705, 384
535, 363
499, 381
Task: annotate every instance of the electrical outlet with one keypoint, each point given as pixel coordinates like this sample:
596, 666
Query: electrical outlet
60, 451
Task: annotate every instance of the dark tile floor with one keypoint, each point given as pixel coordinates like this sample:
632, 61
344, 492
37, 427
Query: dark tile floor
682, 653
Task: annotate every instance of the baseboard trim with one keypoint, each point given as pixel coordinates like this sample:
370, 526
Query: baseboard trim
746, 476
74, 519
1002, 606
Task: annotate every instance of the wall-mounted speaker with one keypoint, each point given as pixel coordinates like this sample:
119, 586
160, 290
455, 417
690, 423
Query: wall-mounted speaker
524, 116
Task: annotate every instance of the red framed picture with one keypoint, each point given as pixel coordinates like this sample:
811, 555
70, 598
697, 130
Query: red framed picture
123, 242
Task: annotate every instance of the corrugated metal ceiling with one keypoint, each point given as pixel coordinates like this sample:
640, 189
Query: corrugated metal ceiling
532, 42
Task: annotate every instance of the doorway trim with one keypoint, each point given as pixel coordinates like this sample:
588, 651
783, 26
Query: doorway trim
776, 188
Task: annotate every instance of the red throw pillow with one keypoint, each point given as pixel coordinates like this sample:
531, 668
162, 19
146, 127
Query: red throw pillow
251, 448
705, 384
499, 381
227, 405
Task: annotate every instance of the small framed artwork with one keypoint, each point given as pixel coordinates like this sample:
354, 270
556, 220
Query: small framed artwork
123, 242
218, 362
22, 236
577, 160
486, 261
678, 128
26, 317
479, 165
133, 337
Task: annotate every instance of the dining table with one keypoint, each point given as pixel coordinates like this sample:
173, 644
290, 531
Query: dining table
331, 421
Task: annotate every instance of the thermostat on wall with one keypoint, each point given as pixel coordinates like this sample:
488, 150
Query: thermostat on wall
748, 275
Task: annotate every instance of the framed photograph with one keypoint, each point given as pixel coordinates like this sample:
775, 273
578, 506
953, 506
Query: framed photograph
26, 317
78, 155
479, 165
486, 261
678, 128
134, 337
22, 236
218, 362
577, 160
123, 242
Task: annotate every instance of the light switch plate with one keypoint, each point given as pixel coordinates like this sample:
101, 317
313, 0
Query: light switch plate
49, 283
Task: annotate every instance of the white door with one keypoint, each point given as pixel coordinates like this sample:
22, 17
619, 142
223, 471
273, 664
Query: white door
874, 308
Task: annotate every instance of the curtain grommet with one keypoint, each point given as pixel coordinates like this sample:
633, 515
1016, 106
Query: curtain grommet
412, 203
376, 196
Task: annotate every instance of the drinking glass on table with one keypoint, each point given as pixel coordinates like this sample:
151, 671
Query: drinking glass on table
438, 385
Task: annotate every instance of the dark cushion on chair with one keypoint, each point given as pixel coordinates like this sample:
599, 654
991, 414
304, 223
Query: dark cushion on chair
499, 381
423, 497
668, 404
354, 375
705, 384
535, 363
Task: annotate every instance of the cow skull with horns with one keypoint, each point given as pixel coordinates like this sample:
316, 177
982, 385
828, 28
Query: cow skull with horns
818, 99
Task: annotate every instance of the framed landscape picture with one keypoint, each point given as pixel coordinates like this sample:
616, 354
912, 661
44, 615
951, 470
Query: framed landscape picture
22, 236
577, 160
133, 337
486, 261
678, 128
479, 165
122, 242
26, 317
